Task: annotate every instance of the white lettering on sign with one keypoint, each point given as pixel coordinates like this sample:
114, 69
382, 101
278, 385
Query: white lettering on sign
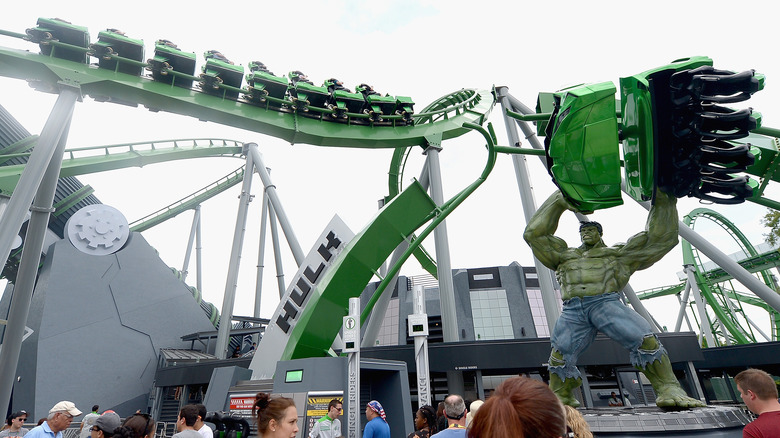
298, 294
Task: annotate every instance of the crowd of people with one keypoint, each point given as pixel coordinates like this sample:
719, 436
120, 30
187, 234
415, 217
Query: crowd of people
519, 407
61, 415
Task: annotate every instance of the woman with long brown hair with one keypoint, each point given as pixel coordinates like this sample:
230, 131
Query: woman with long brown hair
520, 408
276, 417
137, 425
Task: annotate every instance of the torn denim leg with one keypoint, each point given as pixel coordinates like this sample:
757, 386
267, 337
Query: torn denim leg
563, 368
641, 357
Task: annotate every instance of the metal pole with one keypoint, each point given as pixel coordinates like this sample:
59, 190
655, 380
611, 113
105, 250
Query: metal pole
683, 306
636, 303
351, 329
270, 188
758, 329
418, 328
449, 315
277, 251
704, 325
198, 256
731, 266
549, 299
53, 139
31, 177
226, 318
260, 261
190, 242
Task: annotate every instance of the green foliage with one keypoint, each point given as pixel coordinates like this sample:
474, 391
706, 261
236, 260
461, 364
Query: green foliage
771, 220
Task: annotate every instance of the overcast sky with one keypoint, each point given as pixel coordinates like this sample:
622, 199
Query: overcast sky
422, 49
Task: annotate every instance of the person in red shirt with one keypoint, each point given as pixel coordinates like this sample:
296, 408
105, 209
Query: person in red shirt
759, 392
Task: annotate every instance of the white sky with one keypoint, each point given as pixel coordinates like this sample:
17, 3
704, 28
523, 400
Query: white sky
422, 49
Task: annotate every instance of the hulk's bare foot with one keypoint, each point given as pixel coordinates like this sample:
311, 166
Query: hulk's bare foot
668, 392
563, 389
673, 396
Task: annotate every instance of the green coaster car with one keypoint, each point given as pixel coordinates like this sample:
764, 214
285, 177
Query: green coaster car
219, 70
581, 145
675, 135
111, 44
55, 29
678, 138
168, 57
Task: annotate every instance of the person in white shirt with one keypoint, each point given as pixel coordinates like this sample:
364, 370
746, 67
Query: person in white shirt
329, 426
200, 426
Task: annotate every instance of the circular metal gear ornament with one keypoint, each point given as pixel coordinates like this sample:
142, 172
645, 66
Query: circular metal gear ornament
98, 230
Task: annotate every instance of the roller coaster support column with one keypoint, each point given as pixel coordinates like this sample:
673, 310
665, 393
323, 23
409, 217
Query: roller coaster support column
260, 263
549, 300
193, 232
277, 251
683, 305
198, 256
270, 188
226, 316
42, 172
706, 331
449, 315
351, 330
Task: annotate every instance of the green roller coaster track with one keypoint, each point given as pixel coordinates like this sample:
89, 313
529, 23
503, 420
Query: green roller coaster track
450, 116
214, 100
729, 324
47, 72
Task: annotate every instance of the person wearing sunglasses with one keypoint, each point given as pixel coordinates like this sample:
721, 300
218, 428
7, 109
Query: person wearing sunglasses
105, 425
14, 425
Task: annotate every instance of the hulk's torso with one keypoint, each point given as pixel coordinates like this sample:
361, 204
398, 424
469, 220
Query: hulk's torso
590, 272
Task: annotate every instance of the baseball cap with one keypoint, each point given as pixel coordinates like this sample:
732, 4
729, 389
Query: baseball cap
65, 406
108, 422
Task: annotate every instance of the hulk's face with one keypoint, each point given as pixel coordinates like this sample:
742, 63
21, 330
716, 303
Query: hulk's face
590, 235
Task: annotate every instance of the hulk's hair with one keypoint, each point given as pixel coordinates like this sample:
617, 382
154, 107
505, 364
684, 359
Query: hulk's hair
584, 224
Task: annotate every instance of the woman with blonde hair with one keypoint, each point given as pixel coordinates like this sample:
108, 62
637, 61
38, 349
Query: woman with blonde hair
473, 408
576, 424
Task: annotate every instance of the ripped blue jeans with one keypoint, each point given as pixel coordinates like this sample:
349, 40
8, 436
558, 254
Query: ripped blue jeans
582, 318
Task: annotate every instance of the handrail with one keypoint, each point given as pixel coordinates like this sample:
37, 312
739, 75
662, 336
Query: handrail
189, 201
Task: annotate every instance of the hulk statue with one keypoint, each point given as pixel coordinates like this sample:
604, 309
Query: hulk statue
591, 278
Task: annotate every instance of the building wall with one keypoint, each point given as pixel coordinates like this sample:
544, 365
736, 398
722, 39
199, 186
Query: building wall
491, 303
98, 324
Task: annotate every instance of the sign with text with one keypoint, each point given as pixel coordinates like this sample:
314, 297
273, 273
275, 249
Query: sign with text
330, 243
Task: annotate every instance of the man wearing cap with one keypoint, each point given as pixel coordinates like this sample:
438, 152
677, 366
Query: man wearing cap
15, 422
59, 418
105, 425
455, 411
377, 426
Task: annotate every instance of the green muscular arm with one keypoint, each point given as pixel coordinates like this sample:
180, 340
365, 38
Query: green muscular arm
539, 231
659, 237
